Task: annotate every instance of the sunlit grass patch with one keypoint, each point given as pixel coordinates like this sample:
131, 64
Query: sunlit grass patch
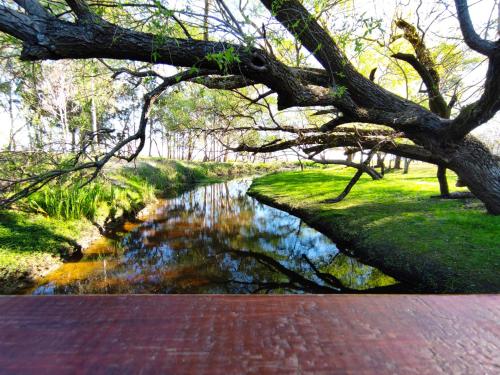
398, 223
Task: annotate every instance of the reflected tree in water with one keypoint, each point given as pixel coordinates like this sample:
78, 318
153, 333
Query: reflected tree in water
216, 239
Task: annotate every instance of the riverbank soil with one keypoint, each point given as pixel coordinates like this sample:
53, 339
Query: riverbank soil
394, 224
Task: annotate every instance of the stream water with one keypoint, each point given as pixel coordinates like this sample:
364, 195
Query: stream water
214, 239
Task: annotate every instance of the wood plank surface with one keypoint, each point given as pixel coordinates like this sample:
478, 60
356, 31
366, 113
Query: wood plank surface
296, 334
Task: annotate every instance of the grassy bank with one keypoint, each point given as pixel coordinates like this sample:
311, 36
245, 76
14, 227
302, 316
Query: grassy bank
170, 177
394, 224
62, 218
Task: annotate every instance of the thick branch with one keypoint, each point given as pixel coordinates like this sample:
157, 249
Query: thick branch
354, 180
17, 24
32, 7
425, 66
359, 166
230, 82
472, 39
332, 124
423, 54
361, 92
484, 109
286, 129
437, 103
316, 143
82, 10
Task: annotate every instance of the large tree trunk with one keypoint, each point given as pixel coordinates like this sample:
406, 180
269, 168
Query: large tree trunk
407, 165
479, 169
381, 162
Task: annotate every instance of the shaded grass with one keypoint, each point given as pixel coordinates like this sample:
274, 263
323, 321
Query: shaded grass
30, 244
446, 245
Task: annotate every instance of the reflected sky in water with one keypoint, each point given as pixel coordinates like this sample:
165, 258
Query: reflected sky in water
216, 239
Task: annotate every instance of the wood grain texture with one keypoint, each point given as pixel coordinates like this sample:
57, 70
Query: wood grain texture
309, 334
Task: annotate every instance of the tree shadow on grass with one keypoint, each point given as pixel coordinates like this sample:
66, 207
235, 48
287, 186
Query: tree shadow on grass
29, 237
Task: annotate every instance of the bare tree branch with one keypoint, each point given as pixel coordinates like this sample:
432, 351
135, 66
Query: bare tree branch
472, 39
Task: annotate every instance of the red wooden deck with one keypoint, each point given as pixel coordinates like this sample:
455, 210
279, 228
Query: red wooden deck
186, 334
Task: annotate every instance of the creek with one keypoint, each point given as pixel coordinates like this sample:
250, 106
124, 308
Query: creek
215, 239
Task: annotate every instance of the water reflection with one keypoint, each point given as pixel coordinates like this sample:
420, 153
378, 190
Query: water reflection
216, 239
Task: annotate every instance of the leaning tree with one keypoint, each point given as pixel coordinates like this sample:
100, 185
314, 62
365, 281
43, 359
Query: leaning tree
76, 29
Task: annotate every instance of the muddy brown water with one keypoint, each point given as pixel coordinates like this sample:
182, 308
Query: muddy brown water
214, 239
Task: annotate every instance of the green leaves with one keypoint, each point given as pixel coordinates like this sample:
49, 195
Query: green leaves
162, 11
276, 6
224, 59
160, 27
338, 91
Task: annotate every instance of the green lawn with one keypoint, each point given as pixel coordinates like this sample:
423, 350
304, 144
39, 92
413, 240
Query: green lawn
446, 245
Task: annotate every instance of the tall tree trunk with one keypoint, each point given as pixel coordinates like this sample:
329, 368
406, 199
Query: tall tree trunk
205, 20
93, 111
381, 162
226, 151
397, 162
205, 147
31, 144
213, 158
176, 146
180, 149
443, 182
190, 146
73, 140
162, 142
184, 147
62, 118
406, 165
479, 169
12, 131
151, 138
169, 144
